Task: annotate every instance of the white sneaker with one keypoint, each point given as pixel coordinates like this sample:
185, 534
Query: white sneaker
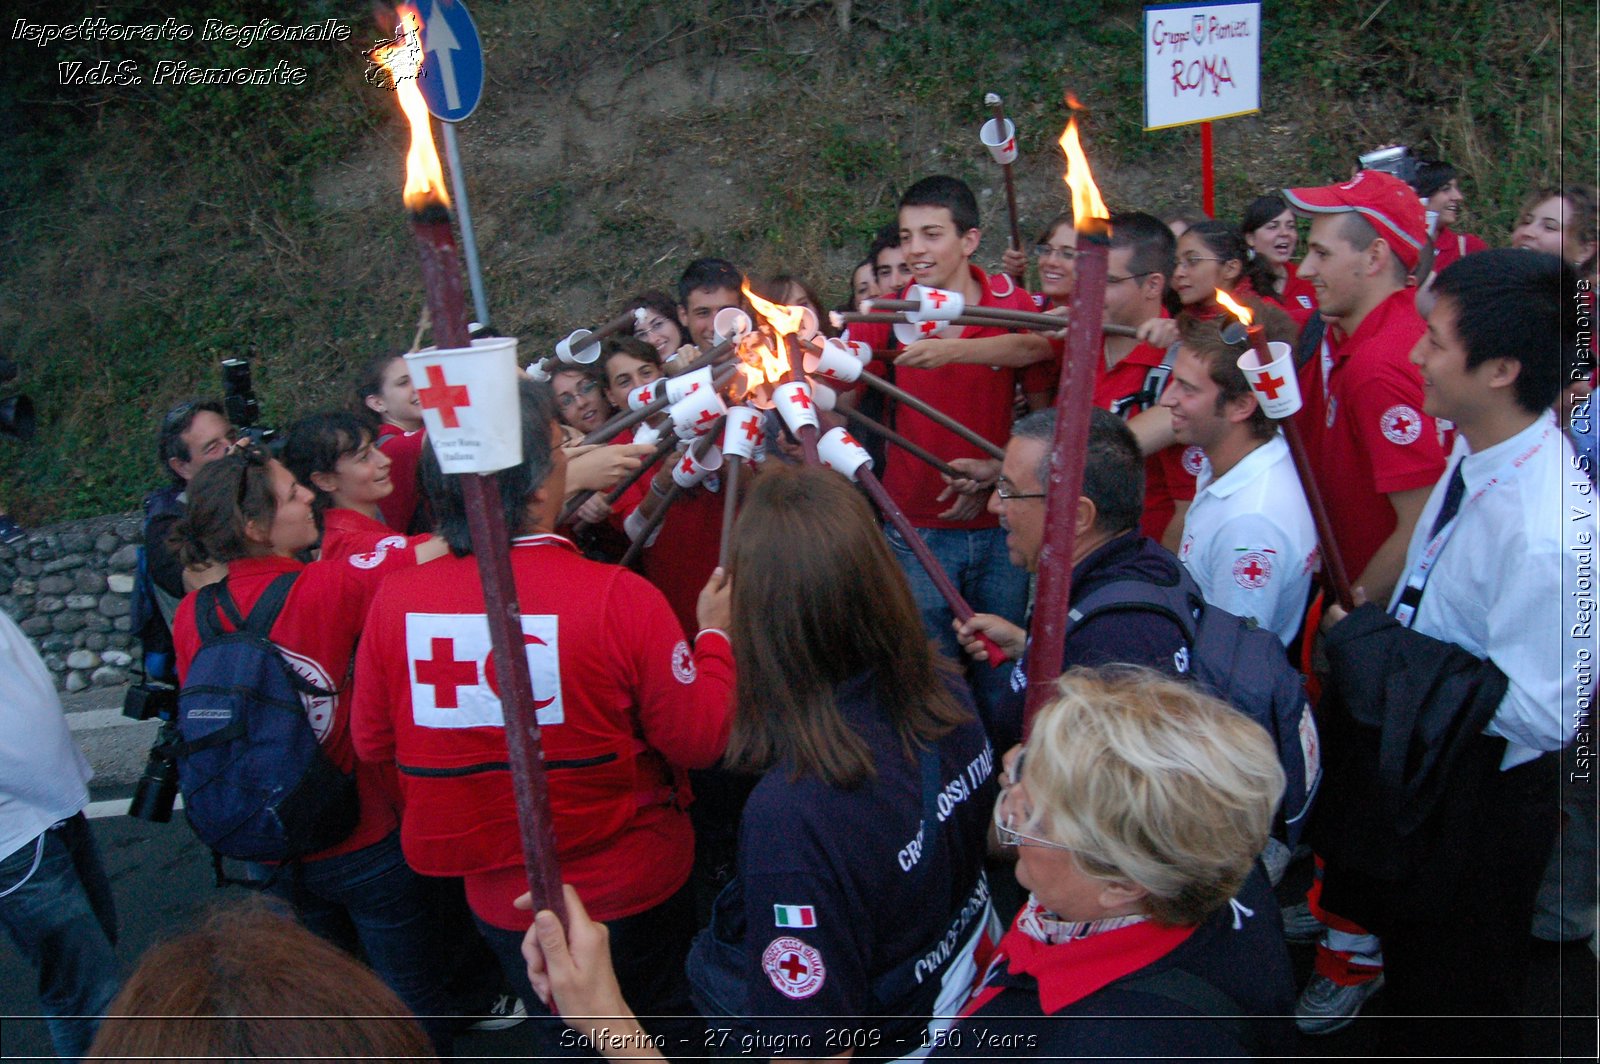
1325, 1006
507, 1011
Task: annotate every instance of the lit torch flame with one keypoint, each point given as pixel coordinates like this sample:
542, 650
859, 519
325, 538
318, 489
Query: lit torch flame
1088, 209
765, 359
401, 59
1238, 310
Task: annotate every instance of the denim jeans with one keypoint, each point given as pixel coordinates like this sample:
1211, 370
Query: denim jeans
373, 892
63, 920
979, 567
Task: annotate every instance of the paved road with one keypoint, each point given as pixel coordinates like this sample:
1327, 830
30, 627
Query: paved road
161, 876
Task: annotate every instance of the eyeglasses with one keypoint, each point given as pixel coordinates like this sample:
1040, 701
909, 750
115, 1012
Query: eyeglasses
1008, 494
1128, 277
584, 389
1191, 261
658, 324
249, 454
1046, 251
1004, 818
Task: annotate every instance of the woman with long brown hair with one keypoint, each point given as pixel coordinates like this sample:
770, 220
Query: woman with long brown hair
859, 889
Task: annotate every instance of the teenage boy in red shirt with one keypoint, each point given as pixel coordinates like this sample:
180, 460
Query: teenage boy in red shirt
938, 235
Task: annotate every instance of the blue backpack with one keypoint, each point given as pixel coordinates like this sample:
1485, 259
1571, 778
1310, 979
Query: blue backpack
1245, 666
256, 784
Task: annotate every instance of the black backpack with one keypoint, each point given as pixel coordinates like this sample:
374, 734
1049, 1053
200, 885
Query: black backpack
1244, 665
256, 783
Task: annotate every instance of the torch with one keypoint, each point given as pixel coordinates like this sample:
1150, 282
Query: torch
428, 206
581, 347
1272, 377
999, 135
1069, 448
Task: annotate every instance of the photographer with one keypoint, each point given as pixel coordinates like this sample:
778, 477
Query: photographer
193, 433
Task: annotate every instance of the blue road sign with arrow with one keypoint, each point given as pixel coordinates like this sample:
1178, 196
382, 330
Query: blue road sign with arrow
452, 68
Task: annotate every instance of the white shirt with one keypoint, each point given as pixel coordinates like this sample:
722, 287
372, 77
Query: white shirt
1515, 582
43, 774
1249, 541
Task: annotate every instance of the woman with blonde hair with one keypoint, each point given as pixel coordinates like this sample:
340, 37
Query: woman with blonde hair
1137, 808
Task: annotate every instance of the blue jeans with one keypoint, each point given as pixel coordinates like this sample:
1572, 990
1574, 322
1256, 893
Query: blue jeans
63, 920
978, 565
373, 893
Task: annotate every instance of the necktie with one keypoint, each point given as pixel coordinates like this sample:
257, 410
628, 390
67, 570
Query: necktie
1452, 500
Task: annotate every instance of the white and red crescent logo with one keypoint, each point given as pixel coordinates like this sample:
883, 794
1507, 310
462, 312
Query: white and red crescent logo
1400, 424
795, 968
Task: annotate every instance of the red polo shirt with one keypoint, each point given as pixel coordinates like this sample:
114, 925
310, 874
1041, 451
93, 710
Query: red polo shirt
1169, 474
979, 397
1299, 298
1365, 432
1450, 246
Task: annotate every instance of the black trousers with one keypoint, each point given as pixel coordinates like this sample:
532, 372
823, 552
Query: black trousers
1456, 973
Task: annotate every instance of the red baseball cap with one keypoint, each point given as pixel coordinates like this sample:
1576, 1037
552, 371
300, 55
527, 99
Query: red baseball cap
1387, 202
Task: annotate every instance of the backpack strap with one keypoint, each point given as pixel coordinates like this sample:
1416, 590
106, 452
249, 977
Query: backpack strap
1156, 378
259, 624
1181, 602
267, 607
1310, 343
1204, 997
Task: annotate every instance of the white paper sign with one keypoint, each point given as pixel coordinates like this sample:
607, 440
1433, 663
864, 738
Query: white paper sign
1202, 62
470, 404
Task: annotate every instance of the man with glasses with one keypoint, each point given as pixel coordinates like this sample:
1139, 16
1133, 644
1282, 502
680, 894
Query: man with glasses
1108, 548
193, 434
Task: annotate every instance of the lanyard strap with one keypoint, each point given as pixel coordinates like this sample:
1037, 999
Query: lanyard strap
1406, 606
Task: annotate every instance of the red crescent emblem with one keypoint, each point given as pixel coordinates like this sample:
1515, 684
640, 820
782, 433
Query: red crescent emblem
494, 685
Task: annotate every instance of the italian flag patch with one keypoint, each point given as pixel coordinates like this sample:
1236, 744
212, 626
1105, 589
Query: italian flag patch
794, 916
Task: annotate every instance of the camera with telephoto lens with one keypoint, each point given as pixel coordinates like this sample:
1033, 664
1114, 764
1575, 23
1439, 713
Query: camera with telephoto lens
1397, 160
158, 786
243, 408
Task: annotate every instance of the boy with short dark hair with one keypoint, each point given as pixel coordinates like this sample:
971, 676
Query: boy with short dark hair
707, 286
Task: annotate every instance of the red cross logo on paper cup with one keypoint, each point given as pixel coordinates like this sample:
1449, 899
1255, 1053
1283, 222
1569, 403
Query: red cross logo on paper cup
642, 397
691, 469
1000, 140
835, 362
795, 405
909, 332
470, 404
696, 412
1275, 384
839, 451
936, 304
742, 433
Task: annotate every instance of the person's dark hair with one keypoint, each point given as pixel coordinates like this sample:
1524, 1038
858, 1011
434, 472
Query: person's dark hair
951, 193
887, 236
818, 599
1583, 217
1224, 241
1154, 249
1261, 210
252, 983
223, 496
657, 300
369, 382
174, 423
1064, 218
707, 273
1520, 305
315, 444
1431, 176
538, 408
1113, 472
630, 346
1204, 338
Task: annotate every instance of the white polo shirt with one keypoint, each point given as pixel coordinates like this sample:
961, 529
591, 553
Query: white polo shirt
43, 775
1249, 541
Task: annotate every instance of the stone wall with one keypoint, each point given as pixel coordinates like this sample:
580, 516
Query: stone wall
69, 587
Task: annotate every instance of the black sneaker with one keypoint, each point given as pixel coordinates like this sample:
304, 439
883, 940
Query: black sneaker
10, 531
507, 1011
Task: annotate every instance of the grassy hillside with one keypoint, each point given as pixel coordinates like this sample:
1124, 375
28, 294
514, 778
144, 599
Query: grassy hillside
150, 230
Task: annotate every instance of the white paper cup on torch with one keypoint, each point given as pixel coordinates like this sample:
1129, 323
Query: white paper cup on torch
576, 349
826, 398
861, 350
909, 332
937, 304
731, 323
1000, 140
680, 386
839, 451
690, 470
743, 432
835, 363
795, 405
646, 394
1275, 384
695, 413
469, 404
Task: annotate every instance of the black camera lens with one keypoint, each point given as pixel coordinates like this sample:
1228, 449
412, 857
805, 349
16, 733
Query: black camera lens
157, 790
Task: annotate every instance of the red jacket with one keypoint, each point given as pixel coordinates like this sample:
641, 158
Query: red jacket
624, 705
